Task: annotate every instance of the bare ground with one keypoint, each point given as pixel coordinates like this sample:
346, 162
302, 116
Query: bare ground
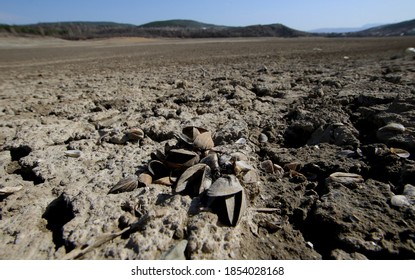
319, 101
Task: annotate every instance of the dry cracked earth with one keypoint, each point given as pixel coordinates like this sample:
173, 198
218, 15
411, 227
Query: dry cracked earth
320, 103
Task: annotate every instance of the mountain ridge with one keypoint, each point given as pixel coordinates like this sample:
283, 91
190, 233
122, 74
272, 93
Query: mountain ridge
403, 28
345, 29
183, 23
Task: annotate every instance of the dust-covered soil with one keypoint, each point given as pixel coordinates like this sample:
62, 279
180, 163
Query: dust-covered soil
311, 107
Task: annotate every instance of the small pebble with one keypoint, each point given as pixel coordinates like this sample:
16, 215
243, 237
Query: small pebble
410, 50
208, 248
262, 138
176, 252
400, 201
409, 191
267, 166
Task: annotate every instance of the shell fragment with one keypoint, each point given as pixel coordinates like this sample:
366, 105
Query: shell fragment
73, 153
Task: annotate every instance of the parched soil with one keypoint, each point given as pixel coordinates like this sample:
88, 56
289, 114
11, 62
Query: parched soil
312, 106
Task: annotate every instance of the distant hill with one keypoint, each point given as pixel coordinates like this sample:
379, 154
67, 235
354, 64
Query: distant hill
179, 23
170, 28
179, 28
70, 30
404, 28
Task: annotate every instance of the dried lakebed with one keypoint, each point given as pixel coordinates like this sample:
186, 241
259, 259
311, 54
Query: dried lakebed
326, 125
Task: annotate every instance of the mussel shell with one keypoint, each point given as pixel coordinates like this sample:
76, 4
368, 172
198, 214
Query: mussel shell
135, 134
10, 189
158, 155
163, 181
235, 207
393, 127
346, 178
194, 180
230, 208
126, 184
204, 141
224, 186
158, 169
181, 158
145, 179
189, 133
390, 130
212, 161
73, 153
400, 152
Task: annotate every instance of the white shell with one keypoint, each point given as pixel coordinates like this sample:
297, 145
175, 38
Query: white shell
400, 152
73, 153
346, 178
391, 129
9, 190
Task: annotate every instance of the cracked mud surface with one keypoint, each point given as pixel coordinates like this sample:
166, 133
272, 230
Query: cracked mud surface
320, 102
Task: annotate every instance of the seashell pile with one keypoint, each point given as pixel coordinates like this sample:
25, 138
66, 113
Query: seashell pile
121, 137
192, 167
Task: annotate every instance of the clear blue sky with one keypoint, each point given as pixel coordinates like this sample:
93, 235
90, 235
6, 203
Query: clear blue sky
298, 14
